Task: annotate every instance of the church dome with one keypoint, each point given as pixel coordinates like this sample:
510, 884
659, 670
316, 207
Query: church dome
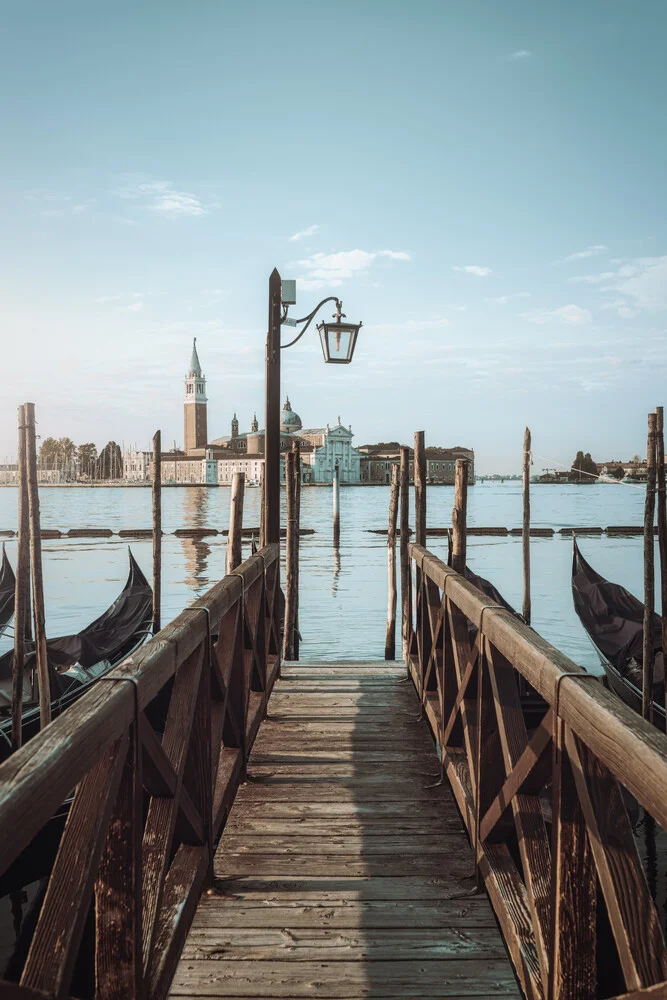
290, 422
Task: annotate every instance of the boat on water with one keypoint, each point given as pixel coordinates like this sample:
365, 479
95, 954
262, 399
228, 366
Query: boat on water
76, 661
7, 586
614, 621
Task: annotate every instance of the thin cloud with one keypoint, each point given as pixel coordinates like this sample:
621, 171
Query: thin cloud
502, 300
638, 285
476, 269
135, 307
309, 231
571, 314
520, 54
592, 251
332, 269
162, 198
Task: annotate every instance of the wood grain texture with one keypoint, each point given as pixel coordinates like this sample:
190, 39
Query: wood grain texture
342, 871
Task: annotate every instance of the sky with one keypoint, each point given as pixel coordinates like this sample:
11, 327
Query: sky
481, 183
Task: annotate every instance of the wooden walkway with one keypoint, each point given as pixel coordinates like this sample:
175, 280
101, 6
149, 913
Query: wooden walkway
342, 871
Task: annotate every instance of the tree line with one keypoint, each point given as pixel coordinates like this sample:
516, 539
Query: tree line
81, 461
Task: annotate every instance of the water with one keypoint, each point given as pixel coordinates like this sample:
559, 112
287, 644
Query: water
343, 596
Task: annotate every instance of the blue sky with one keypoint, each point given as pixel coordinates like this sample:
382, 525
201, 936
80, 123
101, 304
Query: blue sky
482, 183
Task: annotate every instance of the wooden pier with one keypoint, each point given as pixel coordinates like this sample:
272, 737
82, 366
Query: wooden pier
329, 881
235, 828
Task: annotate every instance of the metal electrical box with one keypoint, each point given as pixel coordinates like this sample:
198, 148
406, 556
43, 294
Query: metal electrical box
288, 294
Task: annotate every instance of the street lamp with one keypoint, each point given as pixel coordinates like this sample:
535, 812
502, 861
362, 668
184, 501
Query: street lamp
338, 340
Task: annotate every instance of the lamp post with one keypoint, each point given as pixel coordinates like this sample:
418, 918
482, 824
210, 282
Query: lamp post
338, 340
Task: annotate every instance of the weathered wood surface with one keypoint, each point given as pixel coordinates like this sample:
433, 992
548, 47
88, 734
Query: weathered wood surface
390, 638
648, 651
156, 506
544, 893
342, 871
137, 846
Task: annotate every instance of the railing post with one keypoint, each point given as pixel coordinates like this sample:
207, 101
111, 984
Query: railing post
459, 517
572, 959
390, 639
296, 448
118, 929
406, 579
291, 541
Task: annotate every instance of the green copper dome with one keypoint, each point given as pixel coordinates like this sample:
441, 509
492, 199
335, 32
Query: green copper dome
290, 422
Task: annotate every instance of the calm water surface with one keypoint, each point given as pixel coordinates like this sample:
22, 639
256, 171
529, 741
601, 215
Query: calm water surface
343, 596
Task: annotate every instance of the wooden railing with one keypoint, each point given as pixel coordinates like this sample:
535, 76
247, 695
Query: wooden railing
148, 762
549, 889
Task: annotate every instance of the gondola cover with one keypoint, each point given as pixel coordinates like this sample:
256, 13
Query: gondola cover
7, 584
614, 619
108, 638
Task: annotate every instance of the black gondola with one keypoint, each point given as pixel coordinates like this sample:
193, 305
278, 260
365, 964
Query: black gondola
77, 661
7, 585
614, 620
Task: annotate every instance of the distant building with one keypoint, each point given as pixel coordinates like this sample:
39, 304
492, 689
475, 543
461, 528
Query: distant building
377, 461
215, 462
137, 466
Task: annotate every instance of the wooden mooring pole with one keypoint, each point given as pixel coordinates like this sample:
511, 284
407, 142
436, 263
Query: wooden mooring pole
662, 520
406, 598
234, 554
291, 543
525, 532
22, 587
336, 507
157, 531
390, 639
262, 508
420, 488
459, 516
649, 572
296, 448
36, 565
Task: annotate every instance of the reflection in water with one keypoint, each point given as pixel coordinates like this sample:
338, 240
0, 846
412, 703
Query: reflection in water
336, 572
196, 551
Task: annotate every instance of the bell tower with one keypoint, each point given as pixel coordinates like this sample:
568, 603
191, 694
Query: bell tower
194, 405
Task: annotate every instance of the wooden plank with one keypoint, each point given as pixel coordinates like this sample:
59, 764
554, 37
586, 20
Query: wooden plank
118, 960
308, 889
341, 866
455, 978
529, 775
321, 945
529, 821
344, 843
363, 827
351, 811
572, 951
55, 943
260, 911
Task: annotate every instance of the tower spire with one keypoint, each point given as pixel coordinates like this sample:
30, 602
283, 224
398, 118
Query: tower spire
195, 367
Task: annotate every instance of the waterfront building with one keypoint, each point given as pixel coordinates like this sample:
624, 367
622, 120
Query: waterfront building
137, 466
322, 449
377, 461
